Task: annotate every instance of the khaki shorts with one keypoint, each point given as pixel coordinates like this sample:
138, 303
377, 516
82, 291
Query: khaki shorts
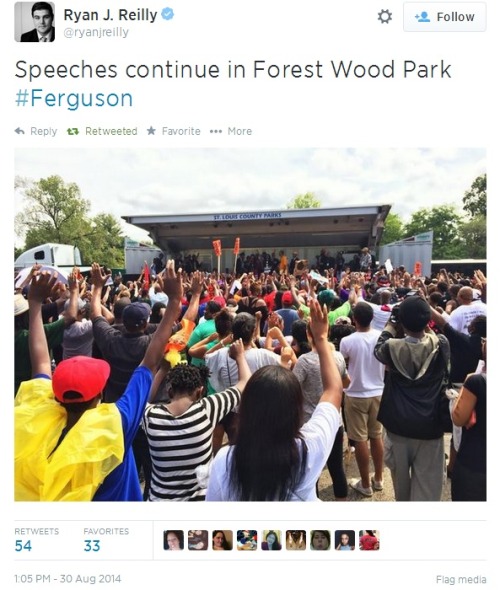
361, 417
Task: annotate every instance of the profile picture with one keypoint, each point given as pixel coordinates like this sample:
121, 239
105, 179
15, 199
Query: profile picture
173, 540
345, 540
246, 540
222, 540
197, 540
296, 540
34, 22
369, 540
320, 540
271, 540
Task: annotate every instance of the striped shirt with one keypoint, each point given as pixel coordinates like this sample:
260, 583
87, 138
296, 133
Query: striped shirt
179, 444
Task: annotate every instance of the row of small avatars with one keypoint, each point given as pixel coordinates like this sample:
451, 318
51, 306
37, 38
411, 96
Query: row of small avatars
271, 540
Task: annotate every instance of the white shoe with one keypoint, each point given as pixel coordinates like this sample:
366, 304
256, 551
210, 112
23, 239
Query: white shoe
356, 485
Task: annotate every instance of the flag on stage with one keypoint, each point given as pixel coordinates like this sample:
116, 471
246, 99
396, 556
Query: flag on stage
217, 247
146, 275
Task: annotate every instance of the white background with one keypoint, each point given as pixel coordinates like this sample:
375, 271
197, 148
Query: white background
418, 541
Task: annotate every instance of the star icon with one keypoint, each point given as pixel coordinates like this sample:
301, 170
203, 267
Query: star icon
151, 130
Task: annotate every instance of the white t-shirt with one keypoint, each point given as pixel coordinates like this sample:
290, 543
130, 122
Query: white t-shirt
78, 339
365, 371
463, 315
319, 434
224, 371
381, 314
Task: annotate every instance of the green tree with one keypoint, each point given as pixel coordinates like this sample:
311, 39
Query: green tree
105, 242
474, 199
393, 229
56, 212
473, 234
446, 223
305, 201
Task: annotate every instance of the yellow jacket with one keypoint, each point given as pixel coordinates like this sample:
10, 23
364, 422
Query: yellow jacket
88, 453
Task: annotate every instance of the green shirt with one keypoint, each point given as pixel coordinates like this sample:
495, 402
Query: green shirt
199, 333
344, 309
22, 362
305, 310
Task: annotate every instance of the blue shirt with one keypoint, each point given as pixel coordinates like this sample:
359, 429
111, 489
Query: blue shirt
122, 484
289, 316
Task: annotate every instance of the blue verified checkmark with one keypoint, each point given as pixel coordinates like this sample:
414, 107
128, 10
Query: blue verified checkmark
167, 14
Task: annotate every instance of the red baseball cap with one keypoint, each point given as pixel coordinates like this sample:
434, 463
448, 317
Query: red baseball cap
220, 300
81, 374
287, 298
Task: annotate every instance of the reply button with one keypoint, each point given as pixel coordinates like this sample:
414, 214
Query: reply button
444, 16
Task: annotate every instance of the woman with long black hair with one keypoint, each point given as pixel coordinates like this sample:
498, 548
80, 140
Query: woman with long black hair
274, 456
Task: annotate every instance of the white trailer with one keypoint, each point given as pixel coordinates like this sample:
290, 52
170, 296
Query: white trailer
63, 256
409, 251
136, 254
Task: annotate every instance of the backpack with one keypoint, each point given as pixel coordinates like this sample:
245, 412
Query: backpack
413, 407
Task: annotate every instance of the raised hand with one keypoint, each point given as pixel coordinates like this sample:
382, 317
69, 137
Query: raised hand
99, 277
237, 349
73, 281
196, 283
41, 286
287, 354
319, 320
172, 281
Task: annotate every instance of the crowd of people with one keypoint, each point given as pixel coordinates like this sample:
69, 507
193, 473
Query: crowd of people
245, 386
278, 262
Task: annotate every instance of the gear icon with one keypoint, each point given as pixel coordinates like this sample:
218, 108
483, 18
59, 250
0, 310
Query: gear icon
384, 16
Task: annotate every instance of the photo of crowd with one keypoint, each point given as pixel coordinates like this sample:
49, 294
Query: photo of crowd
257, 383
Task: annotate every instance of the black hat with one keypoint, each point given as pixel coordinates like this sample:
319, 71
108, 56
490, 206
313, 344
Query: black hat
414, 313
136, 314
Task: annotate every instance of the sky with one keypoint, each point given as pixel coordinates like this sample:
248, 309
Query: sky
177, 181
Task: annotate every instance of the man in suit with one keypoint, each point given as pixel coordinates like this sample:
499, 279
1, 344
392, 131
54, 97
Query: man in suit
43, 19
